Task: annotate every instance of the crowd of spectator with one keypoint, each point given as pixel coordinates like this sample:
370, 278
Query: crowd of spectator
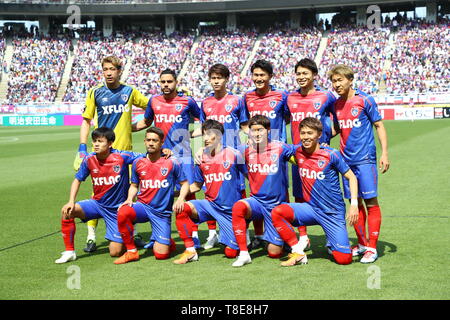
413, 57
2, 51
36, 69
149, 60
86, 69
284, 48
363, 49
229, 48
420, 60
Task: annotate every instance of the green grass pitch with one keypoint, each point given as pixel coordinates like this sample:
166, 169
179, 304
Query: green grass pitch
36, 172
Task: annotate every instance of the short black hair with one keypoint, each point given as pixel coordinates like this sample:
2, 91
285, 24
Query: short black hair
308, 64
106, 132
219, 68
212, 125
261, 120
168, 71
157, 131
264, 65
312, 123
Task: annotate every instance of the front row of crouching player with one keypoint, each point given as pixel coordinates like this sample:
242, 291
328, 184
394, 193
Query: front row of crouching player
262, 161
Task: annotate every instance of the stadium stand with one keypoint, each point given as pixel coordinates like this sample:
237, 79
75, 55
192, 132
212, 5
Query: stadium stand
284, 48
86, 69
36, 69
363, 49
155, 52
229, 48
420, 61
411, 58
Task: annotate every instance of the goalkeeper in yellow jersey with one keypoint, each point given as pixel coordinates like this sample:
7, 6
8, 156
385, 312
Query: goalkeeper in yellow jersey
109, 105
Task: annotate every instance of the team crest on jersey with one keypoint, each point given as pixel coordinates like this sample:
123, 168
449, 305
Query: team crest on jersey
143, 173
355, 111
105, 100
273, 103
124, 97
317, 105
164, 171
226, 164
295, 105
228, 107
116, 168
95, 171
178, 107
321, 163
274, 157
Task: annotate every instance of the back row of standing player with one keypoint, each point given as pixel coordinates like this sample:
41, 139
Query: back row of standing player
353, 114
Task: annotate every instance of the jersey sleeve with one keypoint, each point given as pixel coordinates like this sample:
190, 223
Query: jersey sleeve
89, 108
241, 111
193, 108
83, 172
129, 156
202, 113
178, 172
338, 162
198, 176
371, 109
139, 100
149, 114
134, 174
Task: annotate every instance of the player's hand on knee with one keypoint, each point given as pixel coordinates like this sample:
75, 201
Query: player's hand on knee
126, 203
198, 156
178, 206
67, 210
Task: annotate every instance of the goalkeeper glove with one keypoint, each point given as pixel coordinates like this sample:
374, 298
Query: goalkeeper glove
81, 154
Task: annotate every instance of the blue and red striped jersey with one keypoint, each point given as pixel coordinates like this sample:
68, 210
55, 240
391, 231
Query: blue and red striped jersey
319, 104
157, 181
267, 171
110, 177
230, 111
356, 117
319, 173
172, 117
220, 174
273, 106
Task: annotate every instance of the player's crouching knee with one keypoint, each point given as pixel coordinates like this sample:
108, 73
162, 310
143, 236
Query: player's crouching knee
231, 253
161, 256
274, 251
342, 258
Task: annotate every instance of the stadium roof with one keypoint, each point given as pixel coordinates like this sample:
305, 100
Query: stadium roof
52, 9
